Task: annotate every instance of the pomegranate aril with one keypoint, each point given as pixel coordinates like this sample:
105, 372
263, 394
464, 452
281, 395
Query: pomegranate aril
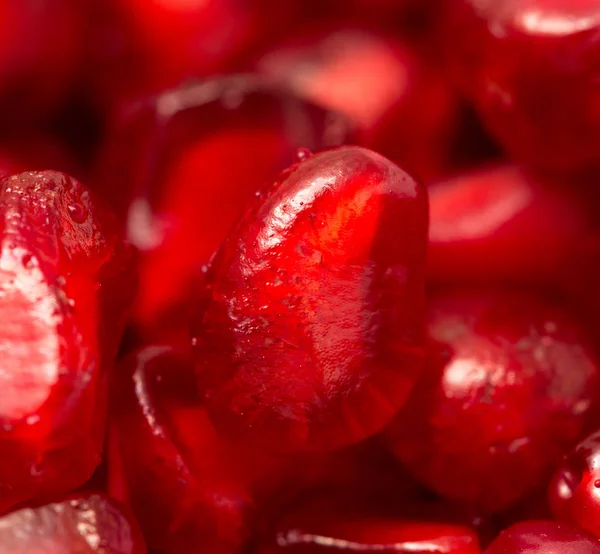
509, 383
310, 324
65, 278
499, 224
574, 491
522, 62
187, 487
387, 536
543, 537
330, 522
401, 104
80, 524
182, 167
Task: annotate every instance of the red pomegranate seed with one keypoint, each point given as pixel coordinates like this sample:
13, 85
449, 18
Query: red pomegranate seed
402, 105
543, 537
498, 224
311, 333
81, 524
329, 522
65, 284
522, 62
182, 167
575, 488
508, 386
187, 487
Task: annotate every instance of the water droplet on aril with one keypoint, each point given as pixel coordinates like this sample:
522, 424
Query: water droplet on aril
302, 154
78, 212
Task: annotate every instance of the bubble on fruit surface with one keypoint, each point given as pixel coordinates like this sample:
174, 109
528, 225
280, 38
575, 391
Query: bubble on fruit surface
77, 211
302, 154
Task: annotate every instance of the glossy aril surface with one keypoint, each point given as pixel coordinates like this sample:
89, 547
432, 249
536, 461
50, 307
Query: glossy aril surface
81, 524
522, 62
386, 536
186, 486
509, 382
543, 537
351, 519
400, 103
182, 166
574, 491
65, 283
499, 224
309, 329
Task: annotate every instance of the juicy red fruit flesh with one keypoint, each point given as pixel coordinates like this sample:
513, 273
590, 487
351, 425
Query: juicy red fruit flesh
499, 224
351, 519
186, 486
531, 69
82, 524
387, 536
182, 167
574, 491
309, 332
509, 383
66, 282
543, 537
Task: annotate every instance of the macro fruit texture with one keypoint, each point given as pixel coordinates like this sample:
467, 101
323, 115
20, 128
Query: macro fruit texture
574, 491
509, 383
309, 333
65, 282
80, 524
181, 167
530, 67
184, 483
362, 532
543, 537
382, 516
501, 224
393, 94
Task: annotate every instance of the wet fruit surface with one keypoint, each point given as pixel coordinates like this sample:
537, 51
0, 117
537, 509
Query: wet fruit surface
574, 492
363, 533
509, 382
179, 155
309, 331
543, 537
387, 515
65, 278
81, 524
184, 483
334, 286
522, 62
